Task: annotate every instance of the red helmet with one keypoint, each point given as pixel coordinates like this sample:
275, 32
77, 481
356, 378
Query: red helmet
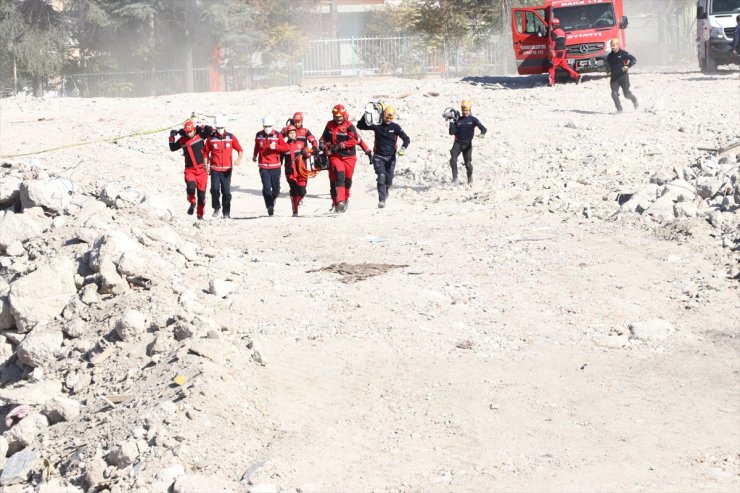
339, 110
189, 126
297, 117
555, 21
291, 128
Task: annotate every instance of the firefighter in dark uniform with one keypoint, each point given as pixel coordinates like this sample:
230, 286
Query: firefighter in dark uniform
618, 63
384, 150
192, 142
464, 130
559, 54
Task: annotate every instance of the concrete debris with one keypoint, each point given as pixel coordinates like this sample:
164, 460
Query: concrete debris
18, 467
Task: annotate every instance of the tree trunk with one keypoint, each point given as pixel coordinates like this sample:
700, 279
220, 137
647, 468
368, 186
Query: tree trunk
38, 87
15, 76
334, 19
189, 86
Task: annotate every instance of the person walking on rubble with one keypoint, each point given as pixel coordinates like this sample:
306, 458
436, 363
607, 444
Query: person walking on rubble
618, 63
192, 142
267, 157
339, 140
219, 149
463, 128
385, 149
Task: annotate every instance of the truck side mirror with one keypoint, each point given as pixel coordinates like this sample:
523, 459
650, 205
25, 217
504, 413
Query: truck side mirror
541, 31
701, 12
624, 22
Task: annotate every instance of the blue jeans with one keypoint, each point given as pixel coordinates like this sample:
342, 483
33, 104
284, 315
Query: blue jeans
221, 186
270, 185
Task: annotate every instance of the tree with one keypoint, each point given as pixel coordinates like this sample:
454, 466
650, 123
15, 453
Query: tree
35, 36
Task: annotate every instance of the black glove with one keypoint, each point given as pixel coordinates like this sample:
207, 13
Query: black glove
370, 157
369, 153
315, 151
173, 133
304, 152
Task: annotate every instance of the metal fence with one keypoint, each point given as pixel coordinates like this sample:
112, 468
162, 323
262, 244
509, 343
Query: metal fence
391, 56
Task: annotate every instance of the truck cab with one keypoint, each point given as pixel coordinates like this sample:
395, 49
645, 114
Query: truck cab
715, 23
589, 25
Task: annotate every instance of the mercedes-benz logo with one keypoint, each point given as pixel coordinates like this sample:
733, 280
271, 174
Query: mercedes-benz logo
583, 49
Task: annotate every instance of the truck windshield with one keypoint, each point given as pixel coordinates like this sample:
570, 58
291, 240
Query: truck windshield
592, 16
725, 6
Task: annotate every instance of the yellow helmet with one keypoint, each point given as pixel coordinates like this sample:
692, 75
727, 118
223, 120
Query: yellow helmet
390, 111
466, 105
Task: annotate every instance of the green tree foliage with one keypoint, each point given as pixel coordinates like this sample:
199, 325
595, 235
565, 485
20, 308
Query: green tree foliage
35, 36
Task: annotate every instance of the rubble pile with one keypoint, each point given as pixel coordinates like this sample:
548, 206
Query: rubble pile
102, 330
708, 190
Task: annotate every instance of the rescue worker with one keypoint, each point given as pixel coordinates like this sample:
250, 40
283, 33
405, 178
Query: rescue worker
192, 142
559, 53
294, 153
265, 143
618, 62
219, 150
384, 150
302, 133
464, 130
736, 37
339, 140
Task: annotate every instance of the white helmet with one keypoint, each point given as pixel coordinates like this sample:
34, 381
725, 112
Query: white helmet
267, 121
220, 121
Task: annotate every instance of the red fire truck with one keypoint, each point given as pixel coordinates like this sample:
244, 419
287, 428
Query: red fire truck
589, 24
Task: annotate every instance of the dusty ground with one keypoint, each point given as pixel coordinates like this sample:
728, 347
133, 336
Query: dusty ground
483, 362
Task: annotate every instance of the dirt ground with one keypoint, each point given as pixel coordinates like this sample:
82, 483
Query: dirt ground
488, 348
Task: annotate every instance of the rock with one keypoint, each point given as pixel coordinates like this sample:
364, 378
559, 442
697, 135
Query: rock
59, 409
42, 295
197, 483
213, 351
643, 199
89, 294
165, 477
111, 246
221, 288
18, 467
75, 328
51, 194
164, 234
678, 190
21, 226
182, 330
189, 301
707, 186
123, 455
110, 193
110, 280
662, 209
95, 472
685, 209
663, 176
130, 324
3, 450
57, 486
146, 264
15, 249
40, 347
23, 433
34, 394
9, 190
6, 316
651, 330
157, 208
189, 250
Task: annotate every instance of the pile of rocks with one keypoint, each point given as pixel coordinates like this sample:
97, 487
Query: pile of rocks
708, 189
92, 288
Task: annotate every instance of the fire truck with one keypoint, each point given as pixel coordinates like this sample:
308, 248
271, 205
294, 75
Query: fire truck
589, 24
715, 23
